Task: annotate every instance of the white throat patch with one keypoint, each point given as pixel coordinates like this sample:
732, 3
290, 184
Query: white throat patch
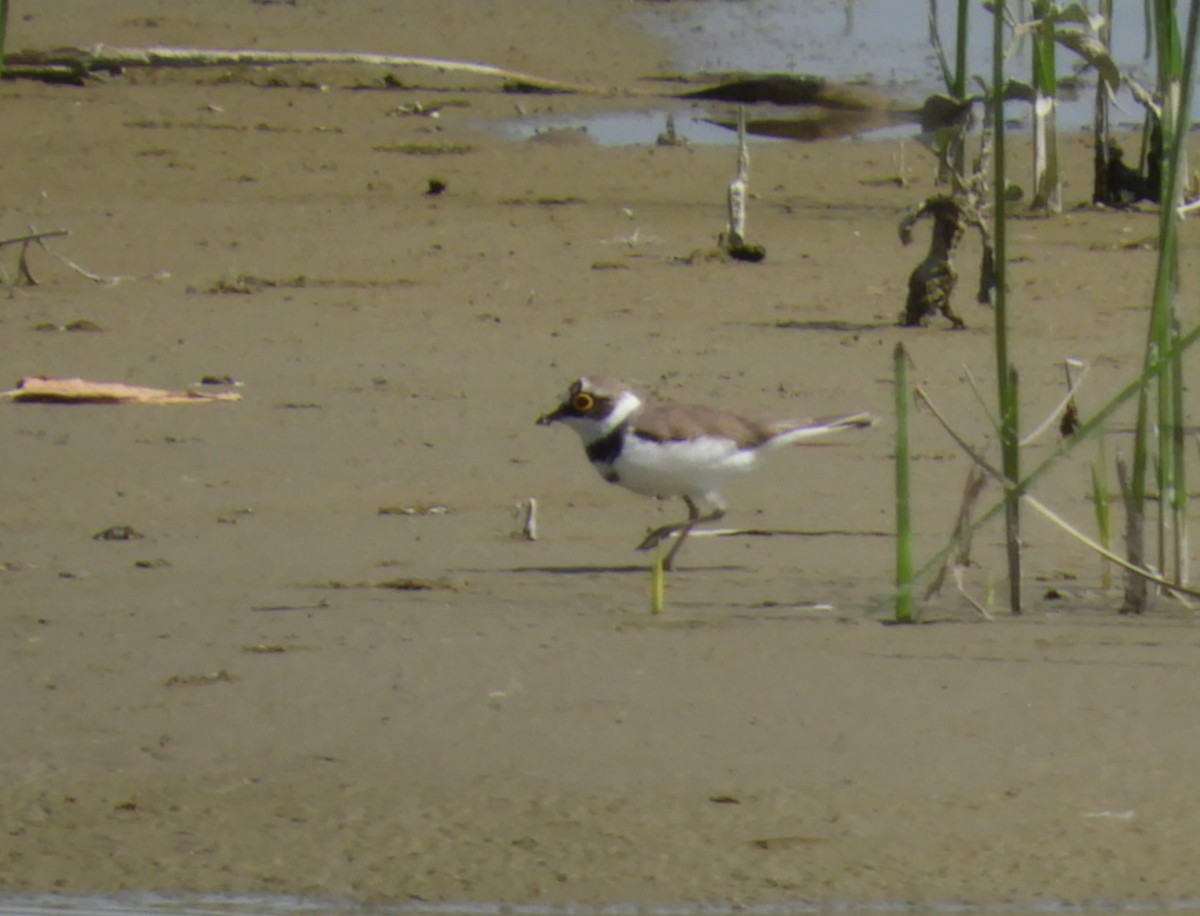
592, 428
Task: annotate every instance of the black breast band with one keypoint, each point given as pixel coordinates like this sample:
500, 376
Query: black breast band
607, 449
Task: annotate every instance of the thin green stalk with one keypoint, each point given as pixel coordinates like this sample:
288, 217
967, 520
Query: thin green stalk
1005, 376
904, 582
1148, 21
1101, 496
1175, 84
960, 81
1175, 171
1167, 47
1179, 471
1133, 495
951, 140
1102, 193
1047, 184
1011, 454
960, 50
1165, 466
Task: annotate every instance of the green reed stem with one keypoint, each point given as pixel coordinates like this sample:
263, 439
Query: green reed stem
1101, 496
1005, 375
904, 581
960, 80
1047, 186
1175, 70
1178, 453
1102, 192
960, 49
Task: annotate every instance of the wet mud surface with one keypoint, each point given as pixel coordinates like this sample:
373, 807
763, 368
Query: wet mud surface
328, 666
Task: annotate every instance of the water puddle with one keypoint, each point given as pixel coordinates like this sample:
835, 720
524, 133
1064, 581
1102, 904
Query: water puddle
643, 127
707, 124
883, 44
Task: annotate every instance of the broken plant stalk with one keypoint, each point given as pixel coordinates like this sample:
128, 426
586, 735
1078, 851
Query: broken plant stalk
733, 239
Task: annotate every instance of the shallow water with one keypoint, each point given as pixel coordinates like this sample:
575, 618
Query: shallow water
883, 42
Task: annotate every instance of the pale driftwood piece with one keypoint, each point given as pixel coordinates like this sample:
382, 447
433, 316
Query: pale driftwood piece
739, 188
527, 515
112, 57
81, 391
733, 239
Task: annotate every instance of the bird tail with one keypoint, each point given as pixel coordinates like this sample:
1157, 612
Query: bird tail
822, 426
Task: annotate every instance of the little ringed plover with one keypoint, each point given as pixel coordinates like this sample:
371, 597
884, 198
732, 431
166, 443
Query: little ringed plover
686, 450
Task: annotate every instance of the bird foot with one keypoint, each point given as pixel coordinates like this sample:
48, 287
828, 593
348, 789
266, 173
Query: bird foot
658, 535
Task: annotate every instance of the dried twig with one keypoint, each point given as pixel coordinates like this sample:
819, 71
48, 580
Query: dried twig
958, 572
95, 278
972, 490
983, 403
1148, 575
1055, 415
1140, 573
34, 236
24, 274
959, 440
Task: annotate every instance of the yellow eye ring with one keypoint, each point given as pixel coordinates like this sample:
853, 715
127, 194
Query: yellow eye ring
582, 402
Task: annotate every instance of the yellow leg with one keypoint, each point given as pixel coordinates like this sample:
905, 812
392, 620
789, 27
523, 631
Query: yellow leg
655, 537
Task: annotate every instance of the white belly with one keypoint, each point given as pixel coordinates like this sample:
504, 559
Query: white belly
698, 469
